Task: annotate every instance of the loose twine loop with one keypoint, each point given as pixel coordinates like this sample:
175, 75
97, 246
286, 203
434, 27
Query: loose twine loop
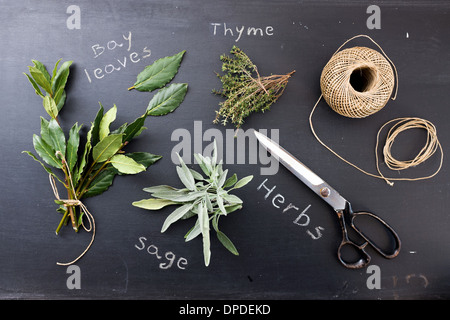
378, 76
73, 203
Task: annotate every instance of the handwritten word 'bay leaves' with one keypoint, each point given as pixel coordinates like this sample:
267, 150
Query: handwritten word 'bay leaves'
167, 99
159, 73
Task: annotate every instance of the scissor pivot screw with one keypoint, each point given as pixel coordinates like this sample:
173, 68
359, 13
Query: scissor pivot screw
325, 192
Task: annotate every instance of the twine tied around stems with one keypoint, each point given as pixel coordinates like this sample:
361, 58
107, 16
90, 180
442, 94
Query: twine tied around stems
73, 203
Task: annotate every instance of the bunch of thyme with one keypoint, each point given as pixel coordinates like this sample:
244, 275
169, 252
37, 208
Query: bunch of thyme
244, 92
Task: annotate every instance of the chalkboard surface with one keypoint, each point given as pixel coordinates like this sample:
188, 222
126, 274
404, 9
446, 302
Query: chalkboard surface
283, 254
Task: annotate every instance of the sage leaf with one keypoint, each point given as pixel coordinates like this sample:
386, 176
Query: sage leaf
50, 106
176, 215
126, 165
230, 181
186, 178
58, 140
204, 228
167, 99
106, 148
153, 204
72, 146
46, 152
158, 74
106, 121
226, 242
194, 232
159, 189
243, 182
101, 183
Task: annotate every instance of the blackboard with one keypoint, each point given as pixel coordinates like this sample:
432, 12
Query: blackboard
279, 258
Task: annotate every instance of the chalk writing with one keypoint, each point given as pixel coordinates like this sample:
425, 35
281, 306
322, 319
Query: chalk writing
302, 219
117, 64
169, 255
238, 31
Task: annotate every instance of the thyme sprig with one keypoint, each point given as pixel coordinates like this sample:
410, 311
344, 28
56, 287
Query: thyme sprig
245, 90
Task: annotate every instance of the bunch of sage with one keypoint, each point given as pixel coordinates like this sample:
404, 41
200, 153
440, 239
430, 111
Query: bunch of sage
88, 169
208, 198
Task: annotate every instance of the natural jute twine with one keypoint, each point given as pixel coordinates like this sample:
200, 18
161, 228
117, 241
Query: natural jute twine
379, 76
73, 203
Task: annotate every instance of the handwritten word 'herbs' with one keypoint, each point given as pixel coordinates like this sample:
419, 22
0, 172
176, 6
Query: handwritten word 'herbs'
206, 198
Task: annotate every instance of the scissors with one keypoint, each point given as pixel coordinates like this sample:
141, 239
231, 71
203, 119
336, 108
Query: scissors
341, 206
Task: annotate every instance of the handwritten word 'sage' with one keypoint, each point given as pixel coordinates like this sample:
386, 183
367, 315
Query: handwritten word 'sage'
302, 220
239, 31
169, 256
124, 44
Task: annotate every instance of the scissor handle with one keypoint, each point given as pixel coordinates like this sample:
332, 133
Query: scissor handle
393, 235
364, 257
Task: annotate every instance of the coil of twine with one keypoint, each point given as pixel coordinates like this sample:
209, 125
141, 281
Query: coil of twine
358, 82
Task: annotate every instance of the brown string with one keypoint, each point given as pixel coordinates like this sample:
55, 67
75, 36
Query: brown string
73, 203
363, 108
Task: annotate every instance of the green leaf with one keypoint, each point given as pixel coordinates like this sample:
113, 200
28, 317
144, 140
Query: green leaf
101, 183
50, 106
167, 99
185, 175
72, 146
134, 128
106, 121
227, 242
204, 228
35, 86
176, 215
46, 152
107, 147
55, 68
85, 156
58, 140
159, 73
230, 181
126, 165
60, 78
41, 68
243, 182
144, 158
41, 79
43, 165
95, 136
153, 204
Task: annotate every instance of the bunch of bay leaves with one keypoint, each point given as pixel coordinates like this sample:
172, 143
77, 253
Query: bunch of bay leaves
88, 169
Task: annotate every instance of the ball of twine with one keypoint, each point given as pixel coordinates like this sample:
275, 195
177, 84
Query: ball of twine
357, 82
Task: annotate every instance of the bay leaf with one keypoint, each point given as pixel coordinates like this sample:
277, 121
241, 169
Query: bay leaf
167, 99
101, 183
95, 136
41, 79
144, 158
158, 74
56, 134
106, 121
46, 152
35, 86
72, 146
126, 165
60, 78
133, 128
107, 147
153, 204
50, 106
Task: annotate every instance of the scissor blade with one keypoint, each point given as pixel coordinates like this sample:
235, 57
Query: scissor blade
302, 172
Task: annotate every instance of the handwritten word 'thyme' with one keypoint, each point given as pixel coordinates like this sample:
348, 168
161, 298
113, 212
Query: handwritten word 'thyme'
239, 31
